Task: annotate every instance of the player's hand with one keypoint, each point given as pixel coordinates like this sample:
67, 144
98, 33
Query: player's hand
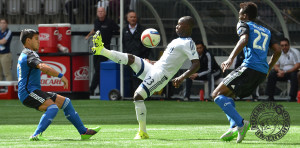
193, 76
226, 64
280, 74
177, 81
87, 37
66, 82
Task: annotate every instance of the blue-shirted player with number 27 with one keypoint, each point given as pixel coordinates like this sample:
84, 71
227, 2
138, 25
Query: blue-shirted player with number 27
255, 41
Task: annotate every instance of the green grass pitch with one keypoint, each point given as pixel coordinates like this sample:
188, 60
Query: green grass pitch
170, 124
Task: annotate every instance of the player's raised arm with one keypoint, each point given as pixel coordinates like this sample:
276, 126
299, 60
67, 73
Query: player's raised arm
237, 49
274, 58
194, 68
51, 72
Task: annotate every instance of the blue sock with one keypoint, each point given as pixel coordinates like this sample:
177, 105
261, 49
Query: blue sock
232, 123
72, 116
227, 106
46, 119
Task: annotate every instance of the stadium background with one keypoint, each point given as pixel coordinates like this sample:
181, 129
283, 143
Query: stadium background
215, 21
170, 123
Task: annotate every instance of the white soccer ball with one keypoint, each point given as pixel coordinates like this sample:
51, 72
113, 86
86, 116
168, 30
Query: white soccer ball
150, 38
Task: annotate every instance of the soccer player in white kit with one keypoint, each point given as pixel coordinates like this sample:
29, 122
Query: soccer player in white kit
155, 77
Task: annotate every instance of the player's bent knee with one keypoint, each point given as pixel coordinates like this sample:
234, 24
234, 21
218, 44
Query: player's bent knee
140, 93
137, 97
65, 103
131, 59
60, 101
46, 104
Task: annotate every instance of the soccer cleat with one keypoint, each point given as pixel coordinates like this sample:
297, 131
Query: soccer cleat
38, 137
97, 43
89, 133
141, 135
242, 131
230, 134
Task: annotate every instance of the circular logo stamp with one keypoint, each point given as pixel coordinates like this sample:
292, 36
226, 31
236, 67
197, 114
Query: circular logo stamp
270, 120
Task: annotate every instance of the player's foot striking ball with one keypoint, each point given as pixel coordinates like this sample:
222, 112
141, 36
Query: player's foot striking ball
156, 76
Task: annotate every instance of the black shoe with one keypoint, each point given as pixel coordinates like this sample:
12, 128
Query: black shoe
92, 93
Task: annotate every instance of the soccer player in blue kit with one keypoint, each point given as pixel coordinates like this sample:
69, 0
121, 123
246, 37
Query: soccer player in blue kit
29, 89
255, 41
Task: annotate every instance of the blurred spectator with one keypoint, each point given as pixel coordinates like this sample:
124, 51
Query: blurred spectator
239, 60
209, 70
285, 69
298, 76
132, 44
5, 55
73, 6
108, 28
114, 8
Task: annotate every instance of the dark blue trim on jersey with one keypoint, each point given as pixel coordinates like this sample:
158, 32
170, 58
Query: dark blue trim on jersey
142, 68
28, 81
146, 89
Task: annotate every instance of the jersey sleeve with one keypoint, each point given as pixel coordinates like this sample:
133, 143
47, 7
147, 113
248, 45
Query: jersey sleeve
33, 60
190, 51
8, 35
242, 28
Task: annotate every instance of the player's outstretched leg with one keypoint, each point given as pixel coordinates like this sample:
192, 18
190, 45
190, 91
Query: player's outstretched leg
99, 49
227, 106
137, 64
74, 118
45, 121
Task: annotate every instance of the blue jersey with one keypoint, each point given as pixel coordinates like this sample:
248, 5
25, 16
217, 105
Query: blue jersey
258, 44
29, 76
7, 35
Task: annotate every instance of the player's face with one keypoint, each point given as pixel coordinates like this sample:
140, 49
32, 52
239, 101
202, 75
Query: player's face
131, 18
3, 24
284, 46
34, 43
180, 28
101, 12
242, 16
200, 49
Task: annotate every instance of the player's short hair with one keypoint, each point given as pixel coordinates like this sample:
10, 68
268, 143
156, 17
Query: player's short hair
285, 39
190, 21
5, 19
27, 33
250, 9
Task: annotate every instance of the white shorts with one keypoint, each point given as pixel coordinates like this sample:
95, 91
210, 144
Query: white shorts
153, 80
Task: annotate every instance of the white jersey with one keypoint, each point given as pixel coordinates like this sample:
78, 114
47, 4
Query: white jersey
287, 60
175, 55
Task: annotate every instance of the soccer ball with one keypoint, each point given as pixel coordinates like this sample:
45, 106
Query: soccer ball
150, 38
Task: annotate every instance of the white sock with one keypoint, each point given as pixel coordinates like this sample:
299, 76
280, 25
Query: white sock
118, 57
136, 65
141, 112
